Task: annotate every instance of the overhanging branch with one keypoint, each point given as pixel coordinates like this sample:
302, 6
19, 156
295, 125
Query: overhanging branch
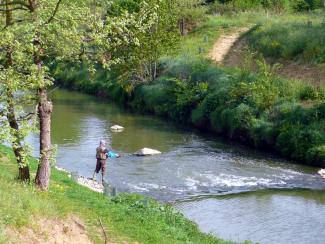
13, 9
26, 117
14, 22
14, 3
54, 12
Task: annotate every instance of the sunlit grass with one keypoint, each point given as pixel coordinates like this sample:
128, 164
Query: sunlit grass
292, 37
127, 217
200, 41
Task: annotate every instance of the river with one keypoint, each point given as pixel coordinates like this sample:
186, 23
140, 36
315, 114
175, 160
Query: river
228, 190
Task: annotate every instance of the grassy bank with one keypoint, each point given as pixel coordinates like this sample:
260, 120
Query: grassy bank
200, 41
126, 218
292, 37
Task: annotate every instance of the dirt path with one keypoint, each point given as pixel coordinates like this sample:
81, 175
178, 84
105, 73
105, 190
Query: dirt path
224, 44
231, 50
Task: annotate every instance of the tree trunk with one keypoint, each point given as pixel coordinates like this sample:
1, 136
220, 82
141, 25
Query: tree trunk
44, 168
182, 26
8, 13
45, 107
153, 70
23, 169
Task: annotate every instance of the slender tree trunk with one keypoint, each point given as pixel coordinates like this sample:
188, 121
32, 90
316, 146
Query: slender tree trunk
182, 26
45, 107
153, 70
8, 13
23, 169
17, 144
44, 168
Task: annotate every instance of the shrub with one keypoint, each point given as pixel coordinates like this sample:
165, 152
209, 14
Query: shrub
300, 5
316, 155
295, 141
263, 133
201, 114
304, 5
220, 8
307, 92
240, 120
157, 97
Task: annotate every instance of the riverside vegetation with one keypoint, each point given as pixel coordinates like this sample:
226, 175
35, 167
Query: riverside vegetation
136, 53
259, 109
126, 218
34, 34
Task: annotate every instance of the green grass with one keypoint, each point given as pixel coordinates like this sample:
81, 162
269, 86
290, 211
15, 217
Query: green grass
290, 37
285, 35
127, 217
200, 41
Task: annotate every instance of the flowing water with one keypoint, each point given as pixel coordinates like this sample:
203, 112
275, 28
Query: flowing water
228, 190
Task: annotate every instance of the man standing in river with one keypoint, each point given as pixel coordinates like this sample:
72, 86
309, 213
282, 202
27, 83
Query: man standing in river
102, 153
101, 156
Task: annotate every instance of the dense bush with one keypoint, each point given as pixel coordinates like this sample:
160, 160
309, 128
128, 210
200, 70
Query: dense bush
278, 6
304, 5
257, 109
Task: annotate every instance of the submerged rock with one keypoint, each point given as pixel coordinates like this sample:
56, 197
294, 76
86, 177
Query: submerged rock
117, 128
146, 152
321, 172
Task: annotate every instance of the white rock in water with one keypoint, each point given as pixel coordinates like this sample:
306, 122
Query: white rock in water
146, 152
117, 128
321, 172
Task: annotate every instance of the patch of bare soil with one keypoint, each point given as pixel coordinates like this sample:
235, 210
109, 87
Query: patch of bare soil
51, 231
312, 73
224, 44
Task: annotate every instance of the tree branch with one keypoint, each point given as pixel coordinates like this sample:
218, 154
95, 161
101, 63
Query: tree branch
27, 116
54, 12
53, 90
14, 22
13, 9
14, 3
101, 225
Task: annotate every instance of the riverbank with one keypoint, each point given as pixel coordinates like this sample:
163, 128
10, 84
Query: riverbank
259, 109
192, 166
79, 214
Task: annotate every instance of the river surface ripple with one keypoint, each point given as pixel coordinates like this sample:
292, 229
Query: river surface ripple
228, 190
